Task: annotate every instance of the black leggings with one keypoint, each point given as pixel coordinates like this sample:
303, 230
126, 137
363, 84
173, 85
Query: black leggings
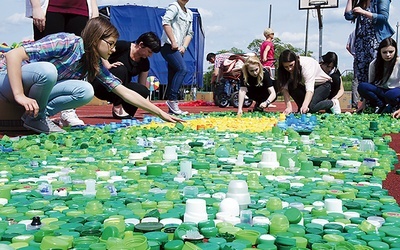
319, 100
61, 22
121, 72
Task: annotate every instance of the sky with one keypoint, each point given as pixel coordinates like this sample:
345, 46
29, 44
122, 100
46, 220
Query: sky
234, 23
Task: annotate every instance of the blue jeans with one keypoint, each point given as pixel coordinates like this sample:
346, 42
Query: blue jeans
379, 96
40, 82
177, 71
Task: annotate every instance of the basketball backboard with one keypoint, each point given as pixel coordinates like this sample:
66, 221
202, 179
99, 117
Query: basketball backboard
311, 4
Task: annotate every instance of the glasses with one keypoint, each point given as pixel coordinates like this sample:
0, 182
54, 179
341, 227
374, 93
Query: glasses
111, 45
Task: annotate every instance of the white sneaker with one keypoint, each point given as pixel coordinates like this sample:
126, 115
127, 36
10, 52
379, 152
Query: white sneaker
174, 108
69, 118
336, 107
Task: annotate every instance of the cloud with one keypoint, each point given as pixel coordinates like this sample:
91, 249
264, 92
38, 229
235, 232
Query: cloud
214, 29
205, 13
18, 19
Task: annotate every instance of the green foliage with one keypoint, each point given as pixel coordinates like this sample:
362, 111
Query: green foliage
347, 79
254, 46
346, 85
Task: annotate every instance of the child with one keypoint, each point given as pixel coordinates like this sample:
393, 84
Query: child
52, 76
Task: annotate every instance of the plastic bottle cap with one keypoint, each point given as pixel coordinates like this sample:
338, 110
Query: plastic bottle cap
294, 215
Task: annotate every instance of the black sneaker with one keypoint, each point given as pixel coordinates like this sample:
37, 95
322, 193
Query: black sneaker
379, 110
42, 125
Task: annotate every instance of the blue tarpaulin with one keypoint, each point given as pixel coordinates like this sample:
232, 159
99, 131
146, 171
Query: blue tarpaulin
133, 20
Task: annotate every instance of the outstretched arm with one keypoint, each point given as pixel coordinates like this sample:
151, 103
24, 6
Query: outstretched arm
135, 99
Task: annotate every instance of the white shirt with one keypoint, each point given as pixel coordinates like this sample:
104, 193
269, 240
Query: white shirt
394, 78
312, 73
180, 22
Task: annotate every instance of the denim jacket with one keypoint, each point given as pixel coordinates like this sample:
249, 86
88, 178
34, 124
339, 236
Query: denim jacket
380, 16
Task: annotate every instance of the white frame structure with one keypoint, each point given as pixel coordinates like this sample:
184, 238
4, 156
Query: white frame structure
312, 4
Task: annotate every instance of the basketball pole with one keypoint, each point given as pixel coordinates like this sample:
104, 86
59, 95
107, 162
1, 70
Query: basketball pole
320, 26
270, 14
306, 41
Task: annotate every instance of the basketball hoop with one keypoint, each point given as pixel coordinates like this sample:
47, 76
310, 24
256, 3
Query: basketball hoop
318, 2
315, 4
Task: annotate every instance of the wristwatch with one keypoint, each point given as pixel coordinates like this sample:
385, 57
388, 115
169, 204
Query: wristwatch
268, 102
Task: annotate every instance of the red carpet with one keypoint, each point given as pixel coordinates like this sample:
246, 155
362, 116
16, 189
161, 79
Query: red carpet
392, 181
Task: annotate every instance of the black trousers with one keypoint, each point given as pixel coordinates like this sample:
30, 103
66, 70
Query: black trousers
61, 22
121, 72
319, 100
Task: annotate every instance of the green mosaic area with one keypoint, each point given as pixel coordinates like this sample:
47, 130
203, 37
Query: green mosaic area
316, 185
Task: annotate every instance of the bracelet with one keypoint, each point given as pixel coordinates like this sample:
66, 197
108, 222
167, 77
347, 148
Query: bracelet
185, 47
268, 102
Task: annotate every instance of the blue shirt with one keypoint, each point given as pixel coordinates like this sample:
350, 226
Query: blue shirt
380, 16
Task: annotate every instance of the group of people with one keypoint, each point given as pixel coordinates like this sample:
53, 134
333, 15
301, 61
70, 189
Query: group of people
313, 85
316, 86
76, 55
376, 77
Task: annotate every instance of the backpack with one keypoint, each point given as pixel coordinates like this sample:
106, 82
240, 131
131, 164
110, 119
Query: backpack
232, 67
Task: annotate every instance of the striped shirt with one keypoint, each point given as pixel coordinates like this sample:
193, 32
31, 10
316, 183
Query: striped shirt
65, 51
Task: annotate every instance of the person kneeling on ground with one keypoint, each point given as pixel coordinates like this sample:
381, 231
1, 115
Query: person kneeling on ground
130, 59
302, 78
329, 65
52, 73
256, 84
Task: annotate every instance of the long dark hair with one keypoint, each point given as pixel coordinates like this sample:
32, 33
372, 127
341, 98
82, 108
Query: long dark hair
382, 74
284, 79
96, 29
330, 57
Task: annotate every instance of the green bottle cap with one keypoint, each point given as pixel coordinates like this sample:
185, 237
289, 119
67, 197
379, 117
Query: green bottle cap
220, 241
145, 227
208, 246
334, 226
378, 245
267, 246
157, 236
294, 215
174, 245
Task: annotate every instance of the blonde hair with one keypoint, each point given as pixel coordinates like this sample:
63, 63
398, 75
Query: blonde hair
253, 60
268, 31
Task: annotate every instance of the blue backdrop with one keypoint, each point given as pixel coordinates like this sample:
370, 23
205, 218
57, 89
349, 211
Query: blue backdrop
132, 20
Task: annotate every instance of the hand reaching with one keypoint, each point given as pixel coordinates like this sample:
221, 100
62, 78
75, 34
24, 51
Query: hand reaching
30, 105
396, 114
170, 118
287, 111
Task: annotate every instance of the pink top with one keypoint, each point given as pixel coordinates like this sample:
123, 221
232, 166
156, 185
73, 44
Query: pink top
270, 55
